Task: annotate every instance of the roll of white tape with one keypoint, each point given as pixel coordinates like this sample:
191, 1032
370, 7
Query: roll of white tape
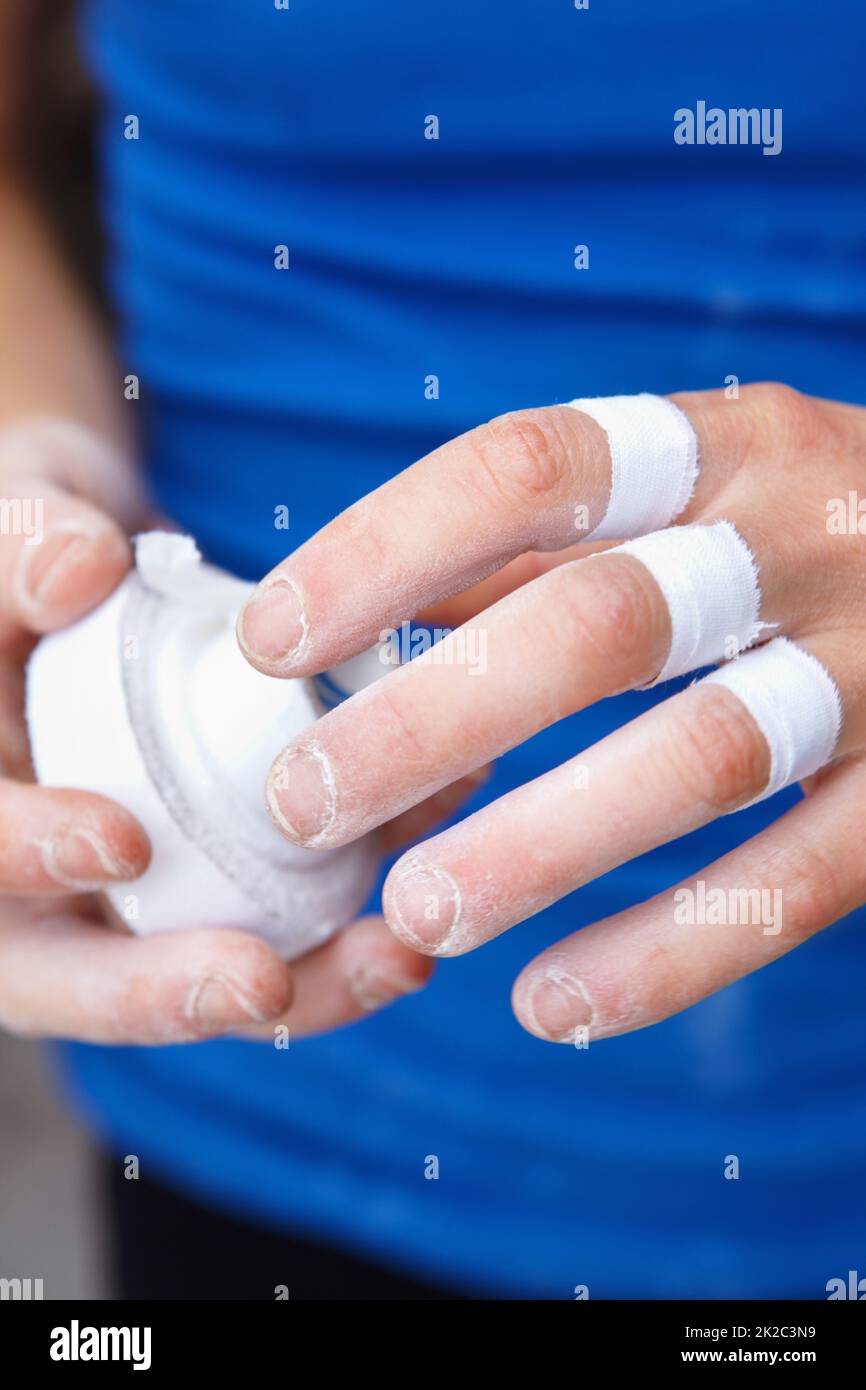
709, 580
149, 701
653, 460
795, 703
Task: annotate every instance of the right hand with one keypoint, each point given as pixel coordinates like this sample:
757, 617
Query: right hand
63, 971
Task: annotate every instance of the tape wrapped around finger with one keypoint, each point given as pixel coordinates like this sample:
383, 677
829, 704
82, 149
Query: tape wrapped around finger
149, 701
653, 458
795, 703
709, 579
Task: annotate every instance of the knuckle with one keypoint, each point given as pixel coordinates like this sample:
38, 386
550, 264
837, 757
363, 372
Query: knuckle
668, 981
616, 610
405, 740
364, 528
523, 456
783, 412
720, 753
812, 893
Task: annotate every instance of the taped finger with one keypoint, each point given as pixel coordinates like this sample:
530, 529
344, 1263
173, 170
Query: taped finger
764, 721
794, 701
709, 580
750, 907
654, 462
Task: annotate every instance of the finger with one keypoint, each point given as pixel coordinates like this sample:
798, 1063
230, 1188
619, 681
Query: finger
359, 971
680, 765
583, 631
52, 841
661, 606
415, 822
533, 480
444, 524
66, 557
75, 460
64, 976
747, 909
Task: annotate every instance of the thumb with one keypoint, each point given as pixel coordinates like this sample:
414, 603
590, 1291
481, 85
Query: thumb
60, 553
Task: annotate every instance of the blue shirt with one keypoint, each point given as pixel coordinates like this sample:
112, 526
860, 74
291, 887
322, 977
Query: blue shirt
411, 257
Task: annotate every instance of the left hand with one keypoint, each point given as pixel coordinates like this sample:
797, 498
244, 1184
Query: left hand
489, 516
67, 500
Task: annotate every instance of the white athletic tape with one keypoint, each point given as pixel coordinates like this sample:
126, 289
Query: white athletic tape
795, 703
709, 579
148, 700
654, 462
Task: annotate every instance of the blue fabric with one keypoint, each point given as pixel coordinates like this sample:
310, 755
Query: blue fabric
408, 257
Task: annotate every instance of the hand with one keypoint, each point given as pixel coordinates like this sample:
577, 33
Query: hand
67, 501
491, 514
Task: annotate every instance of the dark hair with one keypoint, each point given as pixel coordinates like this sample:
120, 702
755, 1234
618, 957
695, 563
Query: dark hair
56, 144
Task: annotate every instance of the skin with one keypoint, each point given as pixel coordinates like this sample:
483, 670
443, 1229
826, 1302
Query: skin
486, 523
66, 444
63, 970
489, 517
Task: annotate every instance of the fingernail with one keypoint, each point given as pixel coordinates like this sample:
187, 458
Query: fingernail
301, 794
81, 859
373, 990
217, 1003
426, 904
557, 1004
41, 567
272, 626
